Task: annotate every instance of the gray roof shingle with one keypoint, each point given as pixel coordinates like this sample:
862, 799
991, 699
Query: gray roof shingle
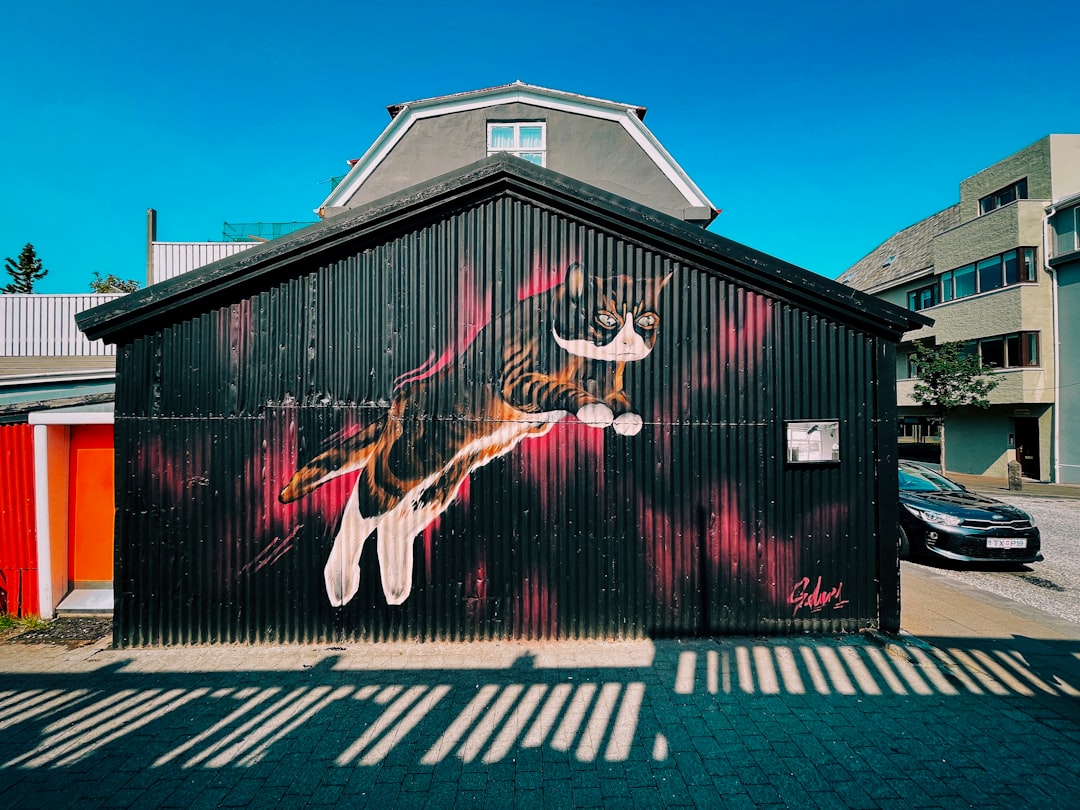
906, 254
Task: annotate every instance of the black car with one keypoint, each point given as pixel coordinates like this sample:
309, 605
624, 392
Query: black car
940, 518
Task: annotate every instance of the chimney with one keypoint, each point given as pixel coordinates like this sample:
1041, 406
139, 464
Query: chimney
151, 237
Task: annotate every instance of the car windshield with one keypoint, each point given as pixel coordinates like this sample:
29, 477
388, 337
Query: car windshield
922, 480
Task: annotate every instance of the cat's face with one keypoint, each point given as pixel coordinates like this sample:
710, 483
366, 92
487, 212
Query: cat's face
613, 318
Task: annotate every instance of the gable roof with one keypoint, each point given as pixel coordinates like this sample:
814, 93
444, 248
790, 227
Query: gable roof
903, 256
496, 91
500, 175
403, 116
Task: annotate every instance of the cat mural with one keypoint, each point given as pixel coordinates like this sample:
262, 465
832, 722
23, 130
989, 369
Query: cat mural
563, 352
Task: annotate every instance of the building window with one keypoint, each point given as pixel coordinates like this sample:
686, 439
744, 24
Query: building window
917, 429
1067, 231
526, 139
1017, 350
922, 298
912, 365
1011, 193
1011, 267
813, 442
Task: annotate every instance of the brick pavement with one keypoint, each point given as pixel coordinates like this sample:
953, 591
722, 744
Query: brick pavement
945, 721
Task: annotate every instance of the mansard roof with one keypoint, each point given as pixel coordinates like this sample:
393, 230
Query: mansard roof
403, 116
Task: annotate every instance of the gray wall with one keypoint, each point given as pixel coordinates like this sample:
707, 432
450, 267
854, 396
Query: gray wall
592, 150
976, 441
1069, 395
1032, 163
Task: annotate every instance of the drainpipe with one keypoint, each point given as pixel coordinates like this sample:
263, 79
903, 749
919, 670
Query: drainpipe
1050, 211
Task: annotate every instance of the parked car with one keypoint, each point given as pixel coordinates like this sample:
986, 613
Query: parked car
942, 519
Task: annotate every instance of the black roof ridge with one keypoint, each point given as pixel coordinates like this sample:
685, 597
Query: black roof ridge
487, 178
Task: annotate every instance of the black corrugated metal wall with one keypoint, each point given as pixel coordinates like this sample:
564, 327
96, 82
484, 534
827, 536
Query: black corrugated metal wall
694, 525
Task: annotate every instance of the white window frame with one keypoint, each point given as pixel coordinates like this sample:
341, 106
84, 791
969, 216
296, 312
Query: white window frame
517, 149
1073, 213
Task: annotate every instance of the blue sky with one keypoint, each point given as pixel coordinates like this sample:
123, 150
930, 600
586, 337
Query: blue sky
819, 128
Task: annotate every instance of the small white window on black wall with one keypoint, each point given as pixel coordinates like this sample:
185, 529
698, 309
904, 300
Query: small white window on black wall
526, 139
812, 442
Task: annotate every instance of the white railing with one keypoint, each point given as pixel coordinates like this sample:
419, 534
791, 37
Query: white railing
170, 259
44, 326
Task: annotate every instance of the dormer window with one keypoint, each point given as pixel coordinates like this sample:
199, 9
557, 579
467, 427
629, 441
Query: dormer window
1004, 196
526, 139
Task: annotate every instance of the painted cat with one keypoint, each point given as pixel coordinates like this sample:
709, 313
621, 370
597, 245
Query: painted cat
563, 352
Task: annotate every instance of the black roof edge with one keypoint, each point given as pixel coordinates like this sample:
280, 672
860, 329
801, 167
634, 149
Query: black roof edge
503, 173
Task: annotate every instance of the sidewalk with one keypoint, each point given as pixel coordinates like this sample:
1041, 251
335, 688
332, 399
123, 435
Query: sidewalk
948, 715
995, 487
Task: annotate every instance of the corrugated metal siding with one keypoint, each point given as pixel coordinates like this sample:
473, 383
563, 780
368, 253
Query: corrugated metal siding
34, 325
170, 259
18, 536
695, 525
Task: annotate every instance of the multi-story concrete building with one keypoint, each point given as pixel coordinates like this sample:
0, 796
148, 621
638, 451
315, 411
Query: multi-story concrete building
986, 271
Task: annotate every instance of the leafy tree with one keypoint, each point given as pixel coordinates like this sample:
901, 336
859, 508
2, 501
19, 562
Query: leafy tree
112, 284
948, 379
25, 271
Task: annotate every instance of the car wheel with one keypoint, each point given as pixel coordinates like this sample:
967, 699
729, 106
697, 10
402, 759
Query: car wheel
902, 544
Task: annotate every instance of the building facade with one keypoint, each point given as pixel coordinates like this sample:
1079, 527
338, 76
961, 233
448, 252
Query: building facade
983, 270
1064, 266
600, 142
56, 393
505, 404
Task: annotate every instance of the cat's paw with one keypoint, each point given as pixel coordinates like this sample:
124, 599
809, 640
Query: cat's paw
597, 415
627, 424
342, 582
395, 565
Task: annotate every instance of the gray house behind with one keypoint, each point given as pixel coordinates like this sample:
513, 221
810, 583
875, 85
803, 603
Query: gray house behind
600, 142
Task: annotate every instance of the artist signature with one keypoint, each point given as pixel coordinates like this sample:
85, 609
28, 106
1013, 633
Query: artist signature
818, 598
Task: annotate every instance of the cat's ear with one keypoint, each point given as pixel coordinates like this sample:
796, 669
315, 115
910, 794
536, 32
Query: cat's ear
575, 281
654, 286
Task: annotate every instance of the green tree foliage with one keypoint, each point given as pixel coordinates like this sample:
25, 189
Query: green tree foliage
112, 284
25, 271
948, 379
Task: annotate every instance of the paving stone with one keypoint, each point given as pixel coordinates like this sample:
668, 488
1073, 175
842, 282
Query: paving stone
528, 798
694, 750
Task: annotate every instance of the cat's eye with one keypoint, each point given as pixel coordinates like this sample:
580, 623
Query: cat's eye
646, 321
607, 321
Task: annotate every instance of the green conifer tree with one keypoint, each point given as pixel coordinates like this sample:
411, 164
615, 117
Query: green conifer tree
25, 271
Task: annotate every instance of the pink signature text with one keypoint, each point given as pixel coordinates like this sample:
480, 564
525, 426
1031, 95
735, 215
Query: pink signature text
815, 600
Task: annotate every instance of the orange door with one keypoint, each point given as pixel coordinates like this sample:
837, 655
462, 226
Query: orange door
90, 558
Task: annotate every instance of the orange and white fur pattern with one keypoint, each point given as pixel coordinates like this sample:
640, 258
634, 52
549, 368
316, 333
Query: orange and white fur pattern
561, 352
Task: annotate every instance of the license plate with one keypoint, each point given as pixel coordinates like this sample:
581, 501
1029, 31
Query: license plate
1006, 542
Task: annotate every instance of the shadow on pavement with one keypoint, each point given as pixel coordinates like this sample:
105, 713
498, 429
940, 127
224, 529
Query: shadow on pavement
846, 720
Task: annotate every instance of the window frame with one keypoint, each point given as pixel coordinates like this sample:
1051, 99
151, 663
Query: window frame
1074, 231
800, 449
1025, 257
517, 148
1026, 343
917, 297
1006, 195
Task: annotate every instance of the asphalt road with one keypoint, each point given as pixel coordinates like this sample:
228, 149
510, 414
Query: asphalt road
1052, 585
